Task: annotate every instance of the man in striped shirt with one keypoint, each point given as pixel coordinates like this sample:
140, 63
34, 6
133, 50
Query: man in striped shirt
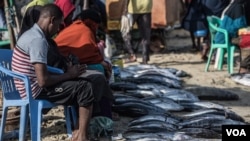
30, 58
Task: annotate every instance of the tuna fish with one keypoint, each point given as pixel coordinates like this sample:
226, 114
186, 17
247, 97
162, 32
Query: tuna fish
197, 105
207, 93
123, 86
155, 79
227, 113
125, 73
144, 93
175, 136
165, 103
152, 126
179, 95
151, 139
213, 122
151, 86
201, 133
135, 109
132, 136
172, 136
241, 78
122, 98
160, 117
157, 72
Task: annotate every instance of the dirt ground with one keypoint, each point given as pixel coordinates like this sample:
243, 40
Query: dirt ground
179, 55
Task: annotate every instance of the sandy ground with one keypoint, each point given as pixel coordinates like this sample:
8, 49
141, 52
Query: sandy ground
177, 55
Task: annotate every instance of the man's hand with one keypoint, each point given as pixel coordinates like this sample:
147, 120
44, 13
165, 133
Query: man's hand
107, 68
236, 40
76, 70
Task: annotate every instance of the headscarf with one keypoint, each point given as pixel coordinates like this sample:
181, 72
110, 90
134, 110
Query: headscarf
38, 2
66, 6
90, 14
91, 18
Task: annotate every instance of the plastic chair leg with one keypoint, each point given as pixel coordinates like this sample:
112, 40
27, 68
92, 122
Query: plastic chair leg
231, 60
35, 121
209, 59
71, 117
68, 120
23, 123
221, 53
74, 115
3, 121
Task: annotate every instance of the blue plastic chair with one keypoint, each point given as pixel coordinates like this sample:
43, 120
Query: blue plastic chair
11, 98
214, 23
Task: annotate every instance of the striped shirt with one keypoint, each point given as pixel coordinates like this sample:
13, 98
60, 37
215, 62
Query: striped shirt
32, 47
21, 63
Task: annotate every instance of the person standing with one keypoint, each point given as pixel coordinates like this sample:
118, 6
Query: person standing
195, 20
141, 13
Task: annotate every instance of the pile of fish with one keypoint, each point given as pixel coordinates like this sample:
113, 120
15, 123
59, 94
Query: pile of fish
162, 110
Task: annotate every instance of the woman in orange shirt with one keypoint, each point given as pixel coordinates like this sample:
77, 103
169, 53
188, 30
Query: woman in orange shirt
79, 39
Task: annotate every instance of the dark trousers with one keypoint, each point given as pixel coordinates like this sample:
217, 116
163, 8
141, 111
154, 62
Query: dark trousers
144, 25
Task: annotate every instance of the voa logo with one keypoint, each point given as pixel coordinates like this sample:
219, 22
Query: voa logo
236, 132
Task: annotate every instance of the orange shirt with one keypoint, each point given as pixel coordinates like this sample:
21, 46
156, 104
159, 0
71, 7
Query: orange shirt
79, 40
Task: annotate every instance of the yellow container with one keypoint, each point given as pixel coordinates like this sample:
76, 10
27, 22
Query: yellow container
117, 61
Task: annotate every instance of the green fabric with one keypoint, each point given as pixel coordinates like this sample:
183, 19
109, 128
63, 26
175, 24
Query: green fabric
97, 67
100, 126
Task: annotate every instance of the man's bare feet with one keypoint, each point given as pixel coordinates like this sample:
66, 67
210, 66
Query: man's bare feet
76, 137
132, 58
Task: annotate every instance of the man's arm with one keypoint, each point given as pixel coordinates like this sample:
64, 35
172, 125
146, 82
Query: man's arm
45, 79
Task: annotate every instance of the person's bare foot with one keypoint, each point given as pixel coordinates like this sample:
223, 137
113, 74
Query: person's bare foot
132, 58
243, 70
76, 137
204, 58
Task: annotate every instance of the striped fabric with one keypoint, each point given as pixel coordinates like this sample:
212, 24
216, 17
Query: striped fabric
21, 64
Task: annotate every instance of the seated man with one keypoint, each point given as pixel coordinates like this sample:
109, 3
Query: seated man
30, 58
79, 39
